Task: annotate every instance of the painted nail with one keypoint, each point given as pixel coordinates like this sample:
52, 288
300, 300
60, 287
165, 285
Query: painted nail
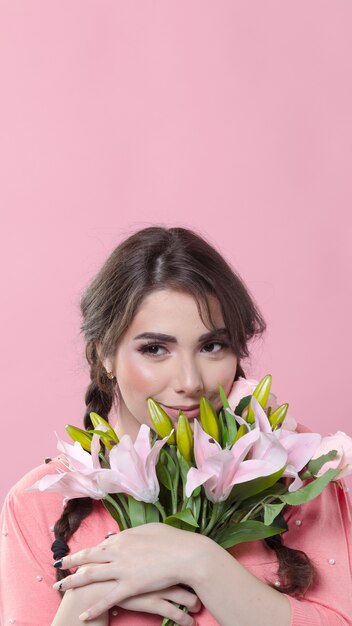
58, 563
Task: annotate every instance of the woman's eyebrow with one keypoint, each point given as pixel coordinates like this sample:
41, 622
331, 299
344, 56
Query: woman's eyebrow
170, 339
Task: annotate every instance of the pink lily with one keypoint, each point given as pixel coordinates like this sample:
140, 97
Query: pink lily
220, 469
299, 447
245, 387
133, 467
81, 479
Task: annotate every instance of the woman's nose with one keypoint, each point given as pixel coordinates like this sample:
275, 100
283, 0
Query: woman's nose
188, 377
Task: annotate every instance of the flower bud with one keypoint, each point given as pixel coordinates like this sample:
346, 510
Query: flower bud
109, 437
277, 417
81, 436
161, 421
242, 430
209, 419
261, 393
184, 437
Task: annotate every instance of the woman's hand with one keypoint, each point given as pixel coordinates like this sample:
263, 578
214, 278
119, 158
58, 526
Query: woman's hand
137, 561
156, 602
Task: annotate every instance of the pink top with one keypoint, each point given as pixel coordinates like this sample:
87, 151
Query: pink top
322, 528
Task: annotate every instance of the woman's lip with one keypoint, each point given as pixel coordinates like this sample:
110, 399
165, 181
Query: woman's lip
174, 412
183, 408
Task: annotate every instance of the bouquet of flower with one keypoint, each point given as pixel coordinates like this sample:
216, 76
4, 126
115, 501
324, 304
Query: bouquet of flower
229, 479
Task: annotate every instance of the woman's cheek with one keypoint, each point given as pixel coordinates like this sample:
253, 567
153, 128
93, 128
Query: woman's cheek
227, 372
138, 373
138, 381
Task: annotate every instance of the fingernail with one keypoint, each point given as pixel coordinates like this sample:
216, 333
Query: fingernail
58, 563
83, 616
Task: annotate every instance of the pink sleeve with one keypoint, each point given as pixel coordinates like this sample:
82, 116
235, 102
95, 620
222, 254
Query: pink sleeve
26, 562
323, 530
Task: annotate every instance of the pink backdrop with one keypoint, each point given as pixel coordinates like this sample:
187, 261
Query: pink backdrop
233, 118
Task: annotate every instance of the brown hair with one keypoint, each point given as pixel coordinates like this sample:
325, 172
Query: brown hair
151, 259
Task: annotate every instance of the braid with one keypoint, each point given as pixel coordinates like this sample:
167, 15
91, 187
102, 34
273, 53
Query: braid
75, 511
98, 398
296, 571
99, 394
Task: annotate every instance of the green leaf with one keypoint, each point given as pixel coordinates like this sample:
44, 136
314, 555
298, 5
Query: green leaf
230, 420
231, 427
137, 512
310, 491
167, 460
166, 470
183, 465
250, 530
316, 464
163, 476
250, 488
271, 511
182, 519
223, 397
243, 403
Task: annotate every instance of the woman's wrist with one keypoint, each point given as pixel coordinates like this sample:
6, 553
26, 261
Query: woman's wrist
200, 558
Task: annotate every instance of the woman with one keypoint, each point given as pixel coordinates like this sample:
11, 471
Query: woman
167, 317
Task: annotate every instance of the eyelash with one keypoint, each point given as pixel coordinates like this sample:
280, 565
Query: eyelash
144, 349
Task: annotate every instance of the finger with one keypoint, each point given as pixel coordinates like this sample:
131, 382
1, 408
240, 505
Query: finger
163, 608
100, 607
97, 554
182, 596
166, 609
84, 576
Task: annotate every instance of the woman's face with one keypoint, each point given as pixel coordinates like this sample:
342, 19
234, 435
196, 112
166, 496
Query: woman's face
168, 354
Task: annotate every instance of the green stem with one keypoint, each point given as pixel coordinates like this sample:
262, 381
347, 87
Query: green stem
256, 508
122, 498
160, 508
104, 459
215, 514
116, 506
174, 490
227, 515
203, 519
185, 503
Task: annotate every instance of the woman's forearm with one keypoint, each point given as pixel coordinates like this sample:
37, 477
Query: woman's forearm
75, 602
233, 595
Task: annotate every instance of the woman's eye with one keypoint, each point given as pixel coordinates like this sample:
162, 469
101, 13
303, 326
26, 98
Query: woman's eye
216, 343
149, 349
152, 349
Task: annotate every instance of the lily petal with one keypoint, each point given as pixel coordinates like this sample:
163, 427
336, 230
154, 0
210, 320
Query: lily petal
300, 446
82, 459
204, 445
